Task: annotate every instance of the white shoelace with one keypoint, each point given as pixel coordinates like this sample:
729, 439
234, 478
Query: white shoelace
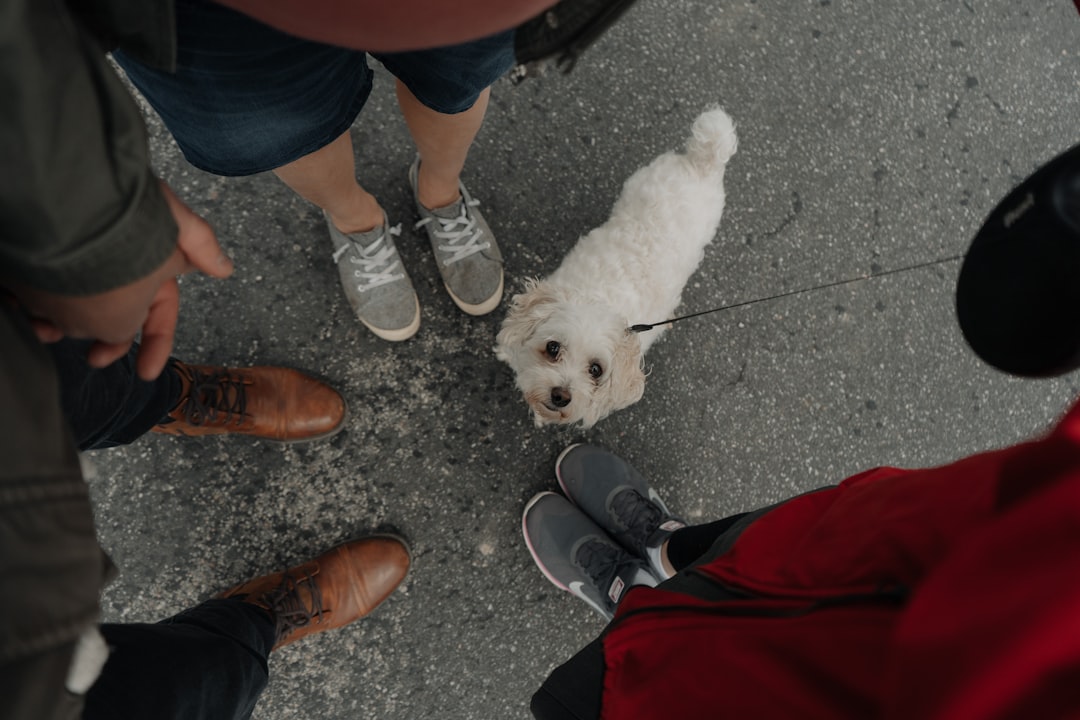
456, 230
375, 263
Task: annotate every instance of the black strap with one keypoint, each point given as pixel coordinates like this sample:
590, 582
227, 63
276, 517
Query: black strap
564, 32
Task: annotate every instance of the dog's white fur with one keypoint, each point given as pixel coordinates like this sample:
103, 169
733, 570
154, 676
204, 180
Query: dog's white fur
631, 270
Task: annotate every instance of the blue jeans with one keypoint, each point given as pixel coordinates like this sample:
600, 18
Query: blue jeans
110, 406
247, 98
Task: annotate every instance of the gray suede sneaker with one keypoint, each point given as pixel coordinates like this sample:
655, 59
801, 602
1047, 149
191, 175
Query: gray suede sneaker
618, 499
579, 557
375, 281
465, 250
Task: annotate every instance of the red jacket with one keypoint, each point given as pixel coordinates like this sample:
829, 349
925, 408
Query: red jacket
952, 592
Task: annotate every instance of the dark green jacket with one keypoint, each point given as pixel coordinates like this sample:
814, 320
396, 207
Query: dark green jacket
51, 568
80, 211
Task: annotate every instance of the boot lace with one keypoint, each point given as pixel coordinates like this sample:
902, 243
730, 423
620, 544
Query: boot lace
638, 515
602, 562
289, 609
214, 398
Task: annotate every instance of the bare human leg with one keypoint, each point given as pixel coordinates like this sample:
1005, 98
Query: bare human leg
327, 178
375, 282
465, 250
443, 142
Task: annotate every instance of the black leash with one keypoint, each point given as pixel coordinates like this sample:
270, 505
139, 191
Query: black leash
643, 328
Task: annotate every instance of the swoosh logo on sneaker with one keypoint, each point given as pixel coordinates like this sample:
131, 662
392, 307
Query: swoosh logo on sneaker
656, 499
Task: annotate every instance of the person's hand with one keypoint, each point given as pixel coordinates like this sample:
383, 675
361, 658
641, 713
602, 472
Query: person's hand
148, 305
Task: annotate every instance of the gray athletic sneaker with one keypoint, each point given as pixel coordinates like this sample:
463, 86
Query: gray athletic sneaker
618, 499
465, 250
579, 557
375, 281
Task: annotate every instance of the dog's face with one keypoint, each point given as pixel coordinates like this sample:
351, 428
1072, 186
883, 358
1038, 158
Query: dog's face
574, 362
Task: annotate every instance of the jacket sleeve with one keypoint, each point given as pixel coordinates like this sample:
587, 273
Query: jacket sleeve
80, 209
994, 631
52, 567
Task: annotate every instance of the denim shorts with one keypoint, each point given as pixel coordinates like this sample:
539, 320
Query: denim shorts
246, 98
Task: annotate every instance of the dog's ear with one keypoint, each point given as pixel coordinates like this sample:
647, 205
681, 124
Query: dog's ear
527, 310
625, 383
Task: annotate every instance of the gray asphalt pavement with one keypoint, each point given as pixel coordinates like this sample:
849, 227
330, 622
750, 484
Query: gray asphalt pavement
872, 136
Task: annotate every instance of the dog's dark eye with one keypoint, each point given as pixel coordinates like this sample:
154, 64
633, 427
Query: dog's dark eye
553, 349
596, 371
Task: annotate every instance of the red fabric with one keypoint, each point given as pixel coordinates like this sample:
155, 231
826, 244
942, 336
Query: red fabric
380, 26
989, 548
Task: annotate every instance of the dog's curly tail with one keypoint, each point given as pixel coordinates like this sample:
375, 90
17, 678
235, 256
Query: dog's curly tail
713, 140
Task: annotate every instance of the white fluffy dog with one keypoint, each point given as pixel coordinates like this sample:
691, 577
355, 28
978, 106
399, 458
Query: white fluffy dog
567, 337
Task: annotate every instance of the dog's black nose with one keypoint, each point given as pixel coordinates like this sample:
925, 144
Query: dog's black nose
560, 397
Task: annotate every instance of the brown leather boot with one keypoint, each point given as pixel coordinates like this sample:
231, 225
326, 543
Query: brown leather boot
335, 589
275, 403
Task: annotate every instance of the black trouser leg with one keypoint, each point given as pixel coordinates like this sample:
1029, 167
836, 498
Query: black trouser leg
687, 544
110, 406
207, 663
573, 690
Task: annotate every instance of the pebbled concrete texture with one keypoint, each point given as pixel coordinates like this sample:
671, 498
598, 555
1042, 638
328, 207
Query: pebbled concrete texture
871, 138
